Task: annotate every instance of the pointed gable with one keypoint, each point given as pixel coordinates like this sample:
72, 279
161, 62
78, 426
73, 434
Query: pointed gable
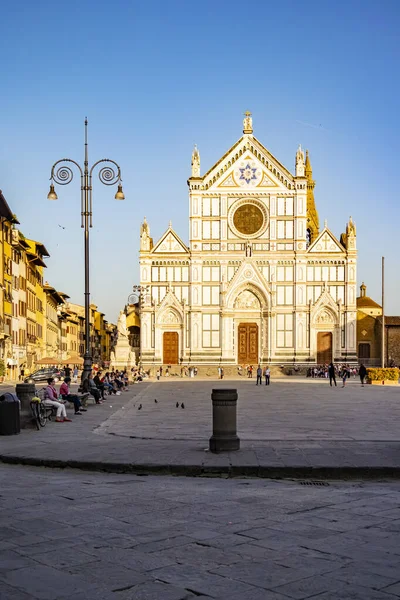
170, 309
248, 165
326, 243
170, 242
247, 276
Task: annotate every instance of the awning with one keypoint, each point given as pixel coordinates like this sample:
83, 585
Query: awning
47, 360
12, 362
73, 360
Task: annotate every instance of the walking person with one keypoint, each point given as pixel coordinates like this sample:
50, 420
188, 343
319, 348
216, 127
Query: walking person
75, 374
362, 373
267, 375
259, 375
344, 375
332, 374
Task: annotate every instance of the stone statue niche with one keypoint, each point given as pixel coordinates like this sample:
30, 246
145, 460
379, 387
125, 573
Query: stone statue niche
122, 356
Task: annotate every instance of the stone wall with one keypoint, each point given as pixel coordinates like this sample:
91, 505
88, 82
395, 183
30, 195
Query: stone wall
393, 345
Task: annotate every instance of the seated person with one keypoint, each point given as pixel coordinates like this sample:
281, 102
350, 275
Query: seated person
76, 401
89, 387
107, 384
51, 399
99, 384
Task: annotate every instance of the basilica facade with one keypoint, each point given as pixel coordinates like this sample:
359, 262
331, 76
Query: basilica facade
260, 282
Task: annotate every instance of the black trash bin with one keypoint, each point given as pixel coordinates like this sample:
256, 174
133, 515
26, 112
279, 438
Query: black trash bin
9, 414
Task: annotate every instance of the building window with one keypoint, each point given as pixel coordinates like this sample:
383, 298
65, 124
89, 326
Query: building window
211, 295
206, 230
284, 294
284, 273
284, 331
284, 230
364, 350
211, 274
210, 331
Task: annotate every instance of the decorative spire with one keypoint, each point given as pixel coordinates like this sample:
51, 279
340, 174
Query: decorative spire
308, 166
170, 225
146, 242
312, 214
195, 162
363, 290
247, 122
351, 228
144, 228
299, 162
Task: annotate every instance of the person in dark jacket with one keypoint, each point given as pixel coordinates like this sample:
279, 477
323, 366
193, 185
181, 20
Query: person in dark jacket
89, 387
99, 384
362, 373
332, 374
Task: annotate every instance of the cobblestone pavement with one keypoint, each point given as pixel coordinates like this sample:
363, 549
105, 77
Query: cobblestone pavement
71, 535
289, 428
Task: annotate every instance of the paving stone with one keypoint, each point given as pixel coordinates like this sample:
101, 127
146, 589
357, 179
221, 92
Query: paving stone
44, 582
352, 593
10, 560
9, 593
195, 554
64, 558
152, 590
392, 589
365, 578
111, 575
199, 581
266, 573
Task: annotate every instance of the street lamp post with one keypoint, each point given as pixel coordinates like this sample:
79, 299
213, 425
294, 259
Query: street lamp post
108, 175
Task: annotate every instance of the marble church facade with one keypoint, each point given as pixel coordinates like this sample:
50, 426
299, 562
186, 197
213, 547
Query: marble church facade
260, 281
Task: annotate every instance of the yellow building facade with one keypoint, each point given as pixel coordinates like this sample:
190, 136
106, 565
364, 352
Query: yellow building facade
36, 320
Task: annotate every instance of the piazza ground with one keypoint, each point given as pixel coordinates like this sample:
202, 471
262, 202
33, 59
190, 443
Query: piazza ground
73, 535
294, 427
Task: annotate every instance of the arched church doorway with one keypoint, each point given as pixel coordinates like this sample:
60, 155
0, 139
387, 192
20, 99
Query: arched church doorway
324, 347
247, 343
170, 348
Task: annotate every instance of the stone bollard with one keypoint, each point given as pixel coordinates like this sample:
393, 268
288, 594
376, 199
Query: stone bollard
224, 437
25, 392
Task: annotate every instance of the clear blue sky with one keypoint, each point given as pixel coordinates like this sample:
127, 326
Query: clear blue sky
154, 77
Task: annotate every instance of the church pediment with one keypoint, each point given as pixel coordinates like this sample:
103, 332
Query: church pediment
170, 309
248, 166
248, 276
325, 309
170, 243
326, 243
247, 174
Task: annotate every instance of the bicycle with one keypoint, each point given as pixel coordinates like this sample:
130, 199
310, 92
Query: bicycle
39, 412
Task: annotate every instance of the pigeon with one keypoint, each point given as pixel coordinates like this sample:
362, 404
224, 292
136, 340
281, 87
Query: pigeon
140, 407
177, 405
155, 400
61, 226
182, 405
